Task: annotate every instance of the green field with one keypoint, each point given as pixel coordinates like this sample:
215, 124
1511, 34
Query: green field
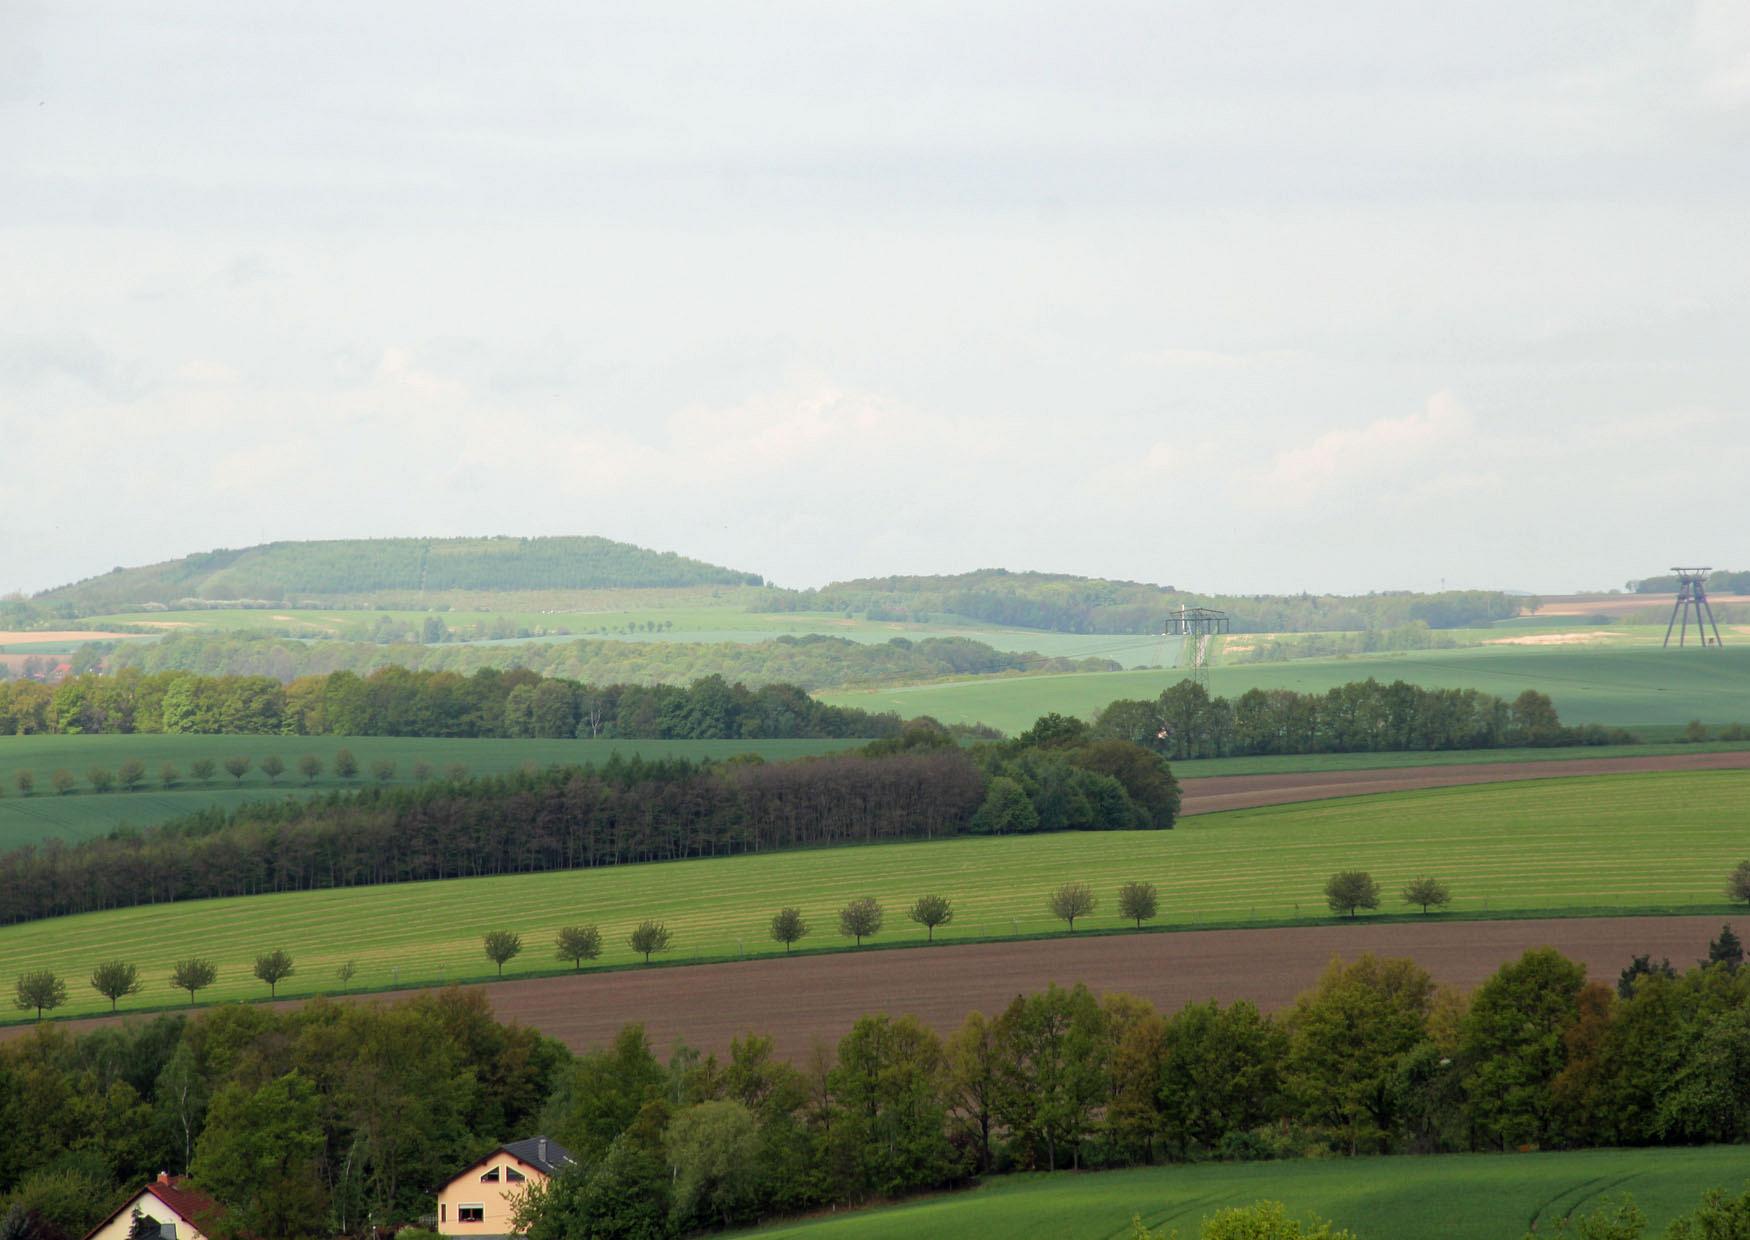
1600, 844
1294, 763
687, 620
85, 813
1441, 1197
1624, 686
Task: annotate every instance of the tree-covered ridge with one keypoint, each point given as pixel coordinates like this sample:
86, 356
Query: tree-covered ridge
1070, 604
814, 661
1721, 581
293, 571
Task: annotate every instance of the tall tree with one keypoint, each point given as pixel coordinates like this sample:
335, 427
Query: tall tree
1052, 1067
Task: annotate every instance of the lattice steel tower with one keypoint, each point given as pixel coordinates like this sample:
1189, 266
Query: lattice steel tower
1197, 625
1692, 595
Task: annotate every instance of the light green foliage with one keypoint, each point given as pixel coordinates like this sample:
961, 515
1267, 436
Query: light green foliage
1719, 1217
259, 1153
889, 1135
602, 1093
195, 973
788, 927
1614, 1219
1349, 890
41, 990
650, 937
714, 1149
1577, 844
1138, 902
1072, 900
1427, 893
930, 911
1513, 1034
115, 979
273, 968
1050, 1075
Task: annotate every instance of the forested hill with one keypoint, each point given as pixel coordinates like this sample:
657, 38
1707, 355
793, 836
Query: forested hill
291, 571
1070, 604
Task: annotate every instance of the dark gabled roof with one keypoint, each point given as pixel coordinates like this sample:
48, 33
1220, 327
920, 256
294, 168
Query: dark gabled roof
539, 1152
189, 1203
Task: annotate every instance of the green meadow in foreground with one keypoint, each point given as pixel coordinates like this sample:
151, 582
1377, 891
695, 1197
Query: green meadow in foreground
1622, 686
1600, 844
1439, 1197
84, 813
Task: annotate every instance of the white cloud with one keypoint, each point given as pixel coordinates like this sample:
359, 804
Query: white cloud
1386, 455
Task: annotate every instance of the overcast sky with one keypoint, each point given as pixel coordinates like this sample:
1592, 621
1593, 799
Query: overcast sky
1229, 296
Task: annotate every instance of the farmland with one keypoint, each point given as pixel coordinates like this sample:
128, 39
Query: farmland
1603, 844
84, 813
1455, 1196
1626, 687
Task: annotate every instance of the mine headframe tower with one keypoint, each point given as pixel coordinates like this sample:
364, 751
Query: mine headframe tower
1196, 625
1692, 596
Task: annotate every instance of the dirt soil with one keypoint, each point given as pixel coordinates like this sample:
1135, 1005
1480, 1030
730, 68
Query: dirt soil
9, 637
809, 997
1219, 792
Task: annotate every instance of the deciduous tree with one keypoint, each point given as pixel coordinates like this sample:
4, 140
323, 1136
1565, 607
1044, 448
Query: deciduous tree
1072, 900
40, 989
861, 918
931, 911
192, 974
788, 927
273, 767
202, 769
577, 944
310, 766
345, 765
115, 979
1137, 902
131, 774
274, 967
501, 946
1427, 892
1349, 890
237, 766
649, 937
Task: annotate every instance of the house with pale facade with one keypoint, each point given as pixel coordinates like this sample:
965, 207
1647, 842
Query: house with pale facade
482, 1198
181, 1212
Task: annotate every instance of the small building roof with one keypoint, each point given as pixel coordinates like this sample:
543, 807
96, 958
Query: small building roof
539, 1152
187, 1202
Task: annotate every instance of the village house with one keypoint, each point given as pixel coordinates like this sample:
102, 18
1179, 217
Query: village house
181, 1212
481, 1199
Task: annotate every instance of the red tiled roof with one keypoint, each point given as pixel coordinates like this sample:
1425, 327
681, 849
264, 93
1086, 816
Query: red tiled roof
189, 1202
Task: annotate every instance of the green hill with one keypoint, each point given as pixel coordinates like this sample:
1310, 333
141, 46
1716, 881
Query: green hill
297, 571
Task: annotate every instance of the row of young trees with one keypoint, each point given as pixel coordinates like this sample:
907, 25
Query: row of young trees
919, 785
131, 774
363, 1111
1360, 717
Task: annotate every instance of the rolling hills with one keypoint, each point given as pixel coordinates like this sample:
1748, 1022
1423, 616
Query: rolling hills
1603, 844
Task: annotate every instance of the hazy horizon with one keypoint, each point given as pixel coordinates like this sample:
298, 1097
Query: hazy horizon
1354, 298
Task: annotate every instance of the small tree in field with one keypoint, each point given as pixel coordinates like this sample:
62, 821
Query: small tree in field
168, 775
195, 973
100, 779
273, 968
237, 766
63, 781
860, 919
1137, 902
346, 972
273, 768
650, 936
455, 772
1428, 892
501, 945
310, 766
26, 782
202, 769
383, 770
579, 943
115, 979
421, 771
1070, 901
345, 765
131, 774
931, 911
788, 927
1737, 887
1349, 890
40, 989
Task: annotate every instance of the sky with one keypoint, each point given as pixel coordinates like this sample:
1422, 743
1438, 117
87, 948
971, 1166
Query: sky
1260, 297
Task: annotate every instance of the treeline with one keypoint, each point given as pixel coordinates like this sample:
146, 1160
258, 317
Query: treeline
396, 702
813, 662
363, 1112
294, 571
1720, 582
1362, 716
1415, 635
1069, 604
920, 785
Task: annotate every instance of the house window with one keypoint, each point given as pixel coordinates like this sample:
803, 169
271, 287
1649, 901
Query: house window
471, 1214
491, 1177
513, 1175
443, 1212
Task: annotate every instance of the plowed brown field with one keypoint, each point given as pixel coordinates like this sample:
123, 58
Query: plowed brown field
799, 1000
1219, 792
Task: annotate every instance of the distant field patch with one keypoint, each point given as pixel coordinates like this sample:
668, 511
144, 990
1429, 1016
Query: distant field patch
1603, 844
